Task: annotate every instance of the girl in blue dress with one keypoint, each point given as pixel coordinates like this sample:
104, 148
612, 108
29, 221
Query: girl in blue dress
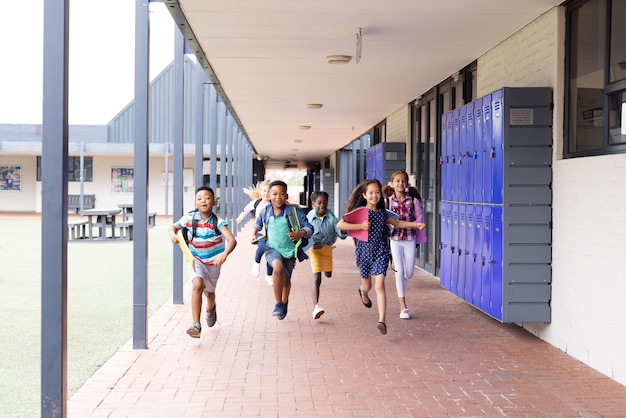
372, 256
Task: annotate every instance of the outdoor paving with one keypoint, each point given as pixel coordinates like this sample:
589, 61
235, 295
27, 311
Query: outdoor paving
449, 360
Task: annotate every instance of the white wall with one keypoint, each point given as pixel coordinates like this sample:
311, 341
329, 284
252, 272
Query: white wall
29, 199
589, 197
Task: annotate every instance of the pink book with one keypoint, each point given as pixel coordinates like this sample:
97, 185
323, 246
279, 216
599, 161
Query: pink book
357, 216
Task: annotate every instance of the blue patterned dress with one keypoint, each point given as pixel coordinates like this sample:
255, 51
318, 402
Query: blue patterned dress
372, 257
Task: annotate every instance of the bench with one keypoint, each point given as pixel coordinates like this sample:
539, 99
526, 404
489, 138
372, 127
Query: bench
126, 230
73, 202
77, 229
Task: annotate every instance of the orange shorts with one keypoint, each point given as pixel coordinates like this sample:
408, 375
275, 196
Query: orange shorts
322, 259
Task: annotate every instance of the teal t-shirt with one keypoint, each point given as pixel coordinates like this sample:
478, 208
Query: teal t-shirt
277, 238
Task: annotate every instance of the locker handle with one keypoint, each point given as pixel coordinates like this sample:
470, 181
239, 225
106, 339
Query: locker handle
492, 153
490, 262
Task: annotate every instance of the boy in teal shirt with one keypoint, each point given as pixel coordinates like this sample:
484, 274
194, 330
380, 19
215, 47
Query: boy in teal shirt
283, 241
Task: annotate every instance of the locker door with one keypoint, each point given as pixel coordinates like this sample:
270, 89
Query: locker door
485, 301
455, 150
469, 253
487, 151
446, 254
496, 278
469, 159
460, 291
445, 156
454, 248
479, 152
461, 156
497, 118
477, 254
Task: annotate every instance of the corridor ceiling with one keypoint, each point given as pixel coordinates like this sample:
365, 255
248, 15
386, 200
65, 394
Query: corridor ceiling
269, 59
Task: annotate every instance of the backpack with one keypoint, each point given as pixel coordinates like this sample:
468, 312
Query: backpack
256, 203
194, 226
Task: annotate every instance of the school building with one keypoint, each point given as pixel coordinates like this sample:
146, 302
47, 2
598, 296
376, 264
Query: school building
561, 197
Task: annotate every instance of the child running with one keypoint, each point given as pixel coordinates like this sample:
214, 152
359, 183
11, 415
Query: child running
207, 246
325, 233
372, 256
405, 201
283, 239
256, 206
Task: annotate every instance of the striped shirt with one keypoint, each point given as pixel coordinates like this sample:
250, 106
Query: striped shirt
206, 244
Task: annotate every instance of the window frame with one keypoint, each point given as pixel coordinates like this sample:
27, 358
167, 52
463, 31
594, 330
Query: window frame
608, 90
72, 163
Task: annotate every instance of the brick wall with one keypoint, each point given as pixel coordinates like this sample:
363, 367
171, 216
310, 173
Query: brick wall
589, 227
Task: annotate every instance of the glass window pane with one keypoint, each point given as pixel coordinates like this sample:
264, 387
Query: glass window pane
618, 41
617, 123
586, 76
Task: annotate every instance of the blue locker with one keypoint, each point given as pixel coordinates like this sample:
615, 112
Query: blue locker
461, 155
455, 150
460, 290
445, 155
454, 247
477, 255
507, 133
450, 153
487, 151
497, 118
496, 278
469, 253
479, 152
469, 159
445, 247
485, 301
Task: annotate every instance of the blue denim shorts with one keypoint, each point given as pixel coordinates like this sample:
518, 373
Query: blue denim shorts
288, 263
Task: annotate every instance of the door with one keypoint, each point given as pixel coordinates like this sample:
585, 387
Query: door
425, 128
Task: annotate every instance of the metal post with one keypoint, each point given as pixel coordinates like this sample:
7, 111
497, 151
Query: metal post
140, 176
178, 156
54, 166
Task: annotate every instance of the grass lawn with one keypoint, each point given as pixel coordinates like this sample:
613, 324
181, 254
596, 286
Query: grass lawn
99, 307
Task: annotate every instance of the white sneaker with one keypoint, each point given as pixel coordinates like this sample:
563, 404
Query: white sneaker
317, 312
256, 269
270, 280
405, 314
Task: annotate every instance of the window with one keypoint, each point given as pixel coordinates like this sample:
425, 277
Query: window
596, 77
73, 168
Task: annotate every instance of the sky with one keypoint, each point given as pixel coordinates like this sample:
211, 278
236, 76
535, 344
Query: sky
101, 58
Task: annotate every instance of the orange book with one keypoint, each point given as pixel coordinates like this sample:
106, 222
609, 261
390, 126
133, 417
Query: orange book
185, 249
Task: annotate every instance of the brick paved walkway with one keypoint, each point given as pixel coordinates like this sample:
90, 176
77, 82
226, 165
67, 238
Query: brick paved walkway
449, 360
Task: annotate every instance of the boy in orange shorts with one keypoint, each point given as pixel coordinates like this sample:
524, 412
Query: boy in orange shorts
325, 234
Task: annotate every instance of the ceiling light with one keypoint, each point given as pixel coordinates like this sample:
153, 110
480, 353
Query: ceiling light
305, 127
298, 141
294, 149
338, 59
314, 105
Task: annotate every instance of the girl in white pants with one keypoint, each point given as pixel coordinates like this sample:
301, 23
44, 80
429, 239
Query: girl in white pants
404, 200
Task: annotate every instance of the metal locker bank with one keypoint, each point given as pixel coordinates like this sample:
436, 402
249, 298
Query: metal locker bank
496, 210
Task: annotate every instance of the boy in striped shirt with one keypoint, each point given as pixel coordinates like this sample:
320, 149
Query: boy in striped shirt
210, 242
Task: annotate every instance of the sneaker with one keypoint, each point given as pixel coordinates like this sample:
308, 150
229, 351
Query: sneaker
194, 330
317, 312
405, 314
256, 269
270, 280
211, 316
278, 309
283, 313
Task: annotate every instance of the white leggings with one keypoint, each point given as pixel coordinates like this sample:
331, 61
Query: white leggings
403, 254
